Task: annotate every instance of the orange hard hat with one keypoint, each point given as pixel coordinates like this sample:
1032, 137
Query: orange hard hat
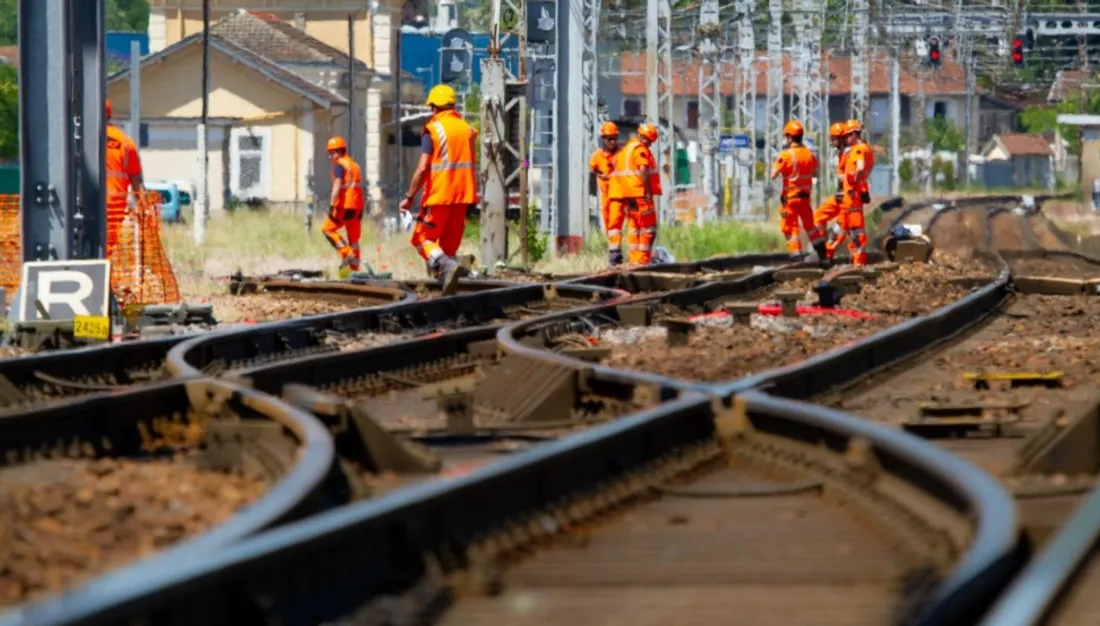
609, 129
108, 108
837, 130
337, 143
853, 126
648, 132
794, 129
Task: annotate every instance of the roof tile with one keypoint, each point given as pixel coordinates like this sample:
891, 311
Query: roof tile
270, 37
948, 79
1026, 144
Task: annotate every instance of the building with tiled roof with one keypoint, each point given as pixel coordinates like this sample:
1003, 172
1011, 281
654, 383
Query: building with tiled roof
943, 91
312, 39
1019, 160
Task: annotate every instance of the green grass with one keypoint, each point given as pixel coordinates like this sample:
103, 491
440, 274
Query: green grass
259, 242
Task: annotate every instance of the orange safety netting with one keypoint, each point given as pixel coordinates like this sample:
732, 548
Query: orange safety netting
140, 270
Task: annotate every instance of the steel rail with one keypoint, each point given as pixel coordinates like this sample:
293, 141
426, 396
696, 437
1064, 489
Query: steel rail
121, 424
130, 593
385, 545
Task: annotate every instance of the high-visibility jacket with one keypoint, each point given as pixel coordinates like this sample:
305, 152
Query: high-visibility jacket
351, 185
121, 163
859, 154
601, 164
452, 178
798, 165
634, 167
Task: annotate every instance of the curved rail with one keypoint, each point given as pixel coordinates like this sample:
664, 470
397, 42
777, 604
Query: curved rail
238, 428
235, 347
386, 545
406, 525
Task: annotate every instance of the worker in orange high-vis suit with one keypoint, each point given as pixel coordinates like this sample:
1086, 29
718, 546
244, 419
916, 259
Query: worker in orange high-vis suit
798, 166
123, 176
832, 208
448, 174
345, 206
634, 182
857, 170
600, 165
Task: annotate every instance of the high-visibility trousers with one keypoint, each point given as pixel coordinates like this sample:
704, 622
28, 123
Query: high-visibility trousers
351, 220
613, 219
438, 231
832, 208
641, 219
793, 210
855, 228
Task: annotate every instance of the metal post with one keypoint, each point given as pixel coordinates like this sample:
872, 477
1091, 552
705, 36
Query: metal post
895, 124
658, 100
352, 113
774, 123
494, 141
572, 158
710, 109
45, 135
860, 54
203, 192
399, 130
746, 105
89, 228
135, 88
966, 54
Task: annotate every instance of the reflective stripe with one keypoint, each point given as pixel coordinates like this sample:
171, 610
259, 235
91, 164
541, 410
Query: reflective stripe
643, 231
614, 231
452, 166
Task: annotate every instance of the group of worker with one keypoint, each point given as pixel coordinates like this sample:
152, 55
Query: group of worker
627, 177
628, 180
798, 166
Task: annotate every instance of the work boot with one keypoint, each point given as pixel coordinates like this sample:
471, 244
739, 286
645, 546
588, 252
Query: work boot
448, 271
615, 257
819, 249
796, 257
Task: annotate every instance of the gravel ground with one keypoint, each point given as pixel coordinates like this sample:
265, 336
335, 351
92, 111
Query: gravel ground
721, 351
276, 307
1068, 267
65, 521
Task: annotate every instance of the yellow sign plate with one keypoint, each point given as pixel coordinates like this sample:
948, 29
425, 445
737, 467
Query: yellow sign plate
92, 327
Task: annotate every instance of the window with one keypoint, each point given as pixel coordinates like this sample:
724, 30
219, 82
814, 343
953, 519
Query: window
693, 114
249, 162
939, 109
730, 103
632, 108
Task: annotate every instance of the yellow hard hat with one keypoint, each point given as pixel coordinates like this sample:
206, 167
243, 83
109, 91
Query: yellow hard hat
441, 96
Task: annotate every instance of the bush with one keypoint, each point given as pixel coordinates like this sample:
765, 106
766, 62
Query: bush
905, 171
948, 169
690, 242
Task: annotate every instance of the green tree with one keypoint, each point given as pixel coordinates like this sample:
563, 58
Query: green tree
122, 15
943, 135
9, 113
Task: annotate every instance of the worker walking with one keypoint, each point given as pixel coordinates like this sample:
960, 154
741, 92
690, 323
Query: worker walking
634, 182
832, 208
447, 172
798, 166
124, 175
857, 170
601, 164
345, 206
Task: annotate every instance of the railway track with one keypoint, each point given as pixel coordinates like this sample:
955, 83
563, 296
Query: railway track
88, 487
610, 517
594, 491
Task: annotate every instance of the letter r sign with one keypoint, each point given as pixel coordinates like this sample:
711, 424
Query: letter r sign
65, 289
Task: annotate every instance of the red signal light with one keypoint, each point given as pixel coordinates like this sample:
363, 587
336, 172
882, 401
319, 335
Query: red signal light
1018, 52
935, 55
1016, 43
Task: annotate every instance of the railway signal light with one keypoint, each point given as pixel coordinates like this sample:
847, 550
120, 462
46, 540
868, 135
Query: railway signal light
1018, 52
934, 52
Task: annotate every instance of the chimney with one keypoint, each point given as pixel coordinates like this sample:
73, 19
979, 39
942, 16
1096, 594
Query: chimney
300, 21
